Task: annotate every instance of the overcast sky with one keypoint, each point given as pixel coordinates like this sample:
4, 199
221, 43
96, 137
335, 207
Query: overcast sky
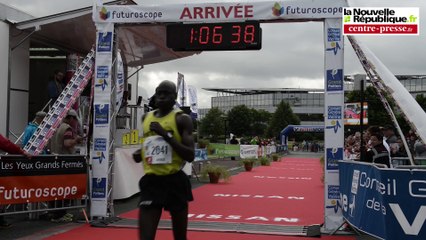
291, 56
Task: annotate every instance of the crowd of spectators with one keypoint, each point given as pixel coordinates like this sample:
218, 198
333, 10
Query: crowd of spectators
391, 141
308, 146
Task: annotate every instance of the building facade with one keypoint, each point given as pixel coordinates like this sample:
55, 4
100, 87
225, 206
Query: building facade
308, 104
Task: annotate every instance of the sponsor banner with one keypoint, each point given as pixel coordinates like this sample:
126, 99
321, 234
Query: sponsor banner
103, 105
249, 151
200, 154
133, 137
270, 150
42, 178
381, 21
220, 12
225, 150
386, 203
333, 119
308, 129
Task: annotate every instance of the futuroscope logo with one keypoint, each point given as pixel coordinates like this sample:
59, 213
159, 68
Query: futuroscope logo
380, 21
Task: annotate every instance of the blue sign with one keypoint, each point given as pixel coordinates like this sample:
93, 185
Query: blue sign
333, 192
102, 72
98, 187
100, 144
386, 203
333, 34
334, 112
104, 42
333, 156
101, 113
335, 80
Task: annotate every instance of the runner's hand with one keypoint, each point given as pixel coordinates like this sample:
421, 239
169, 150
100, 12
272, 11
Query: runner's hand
157, 128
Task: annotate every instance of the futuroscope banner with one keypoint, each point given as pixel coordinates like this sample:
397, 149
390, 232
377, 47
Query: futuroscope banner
386, 203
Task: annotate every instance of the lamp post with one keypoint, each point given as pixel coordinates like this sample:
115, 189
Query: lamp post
225, 123
225, 127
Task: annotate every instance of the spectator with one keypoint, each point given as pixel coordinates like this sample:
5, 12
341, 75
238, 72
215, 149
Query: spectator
66, 138
420, 148
400, 149
378, 153
389, 134
412, 139
255, 141
63, 142
32, 127
55, 87
376, 130
234, 140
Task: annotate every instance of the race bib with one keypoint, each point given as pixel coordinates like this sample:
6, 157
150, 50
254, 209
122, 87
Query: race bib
157, 150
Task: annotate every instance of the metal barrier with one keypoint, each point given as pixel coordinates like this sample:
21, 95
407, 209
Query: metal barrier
405, 161
34, 209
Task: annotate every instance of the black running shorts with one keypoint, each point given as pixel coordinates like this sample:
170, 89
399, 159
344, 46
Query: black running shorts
171, 192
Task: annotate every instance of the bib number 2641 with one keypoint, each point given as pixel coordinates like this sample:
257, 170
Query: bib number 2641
157, 150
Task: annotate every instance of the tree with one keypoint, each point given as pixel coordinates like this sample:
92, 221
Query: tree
260, 122
422, 101
377, 115
240, 119
212, 125
281, 118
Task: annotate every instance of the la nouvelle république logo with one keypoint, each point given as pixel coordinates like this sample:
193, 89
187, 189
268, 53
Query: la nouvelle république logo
381, 21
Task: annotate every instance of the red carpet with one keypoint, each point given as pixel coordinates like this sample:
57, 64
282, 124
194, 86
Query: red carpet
287, 193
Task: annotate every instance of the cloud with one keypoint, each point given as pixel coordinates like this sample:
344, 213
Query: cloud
291, 56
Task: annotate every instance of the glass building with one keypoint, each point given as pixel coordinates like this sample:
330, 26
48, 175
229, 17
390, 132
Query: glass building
308, 104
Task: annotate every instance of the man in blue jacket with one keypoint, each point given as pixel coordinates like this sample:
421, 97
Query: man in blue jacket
32, 127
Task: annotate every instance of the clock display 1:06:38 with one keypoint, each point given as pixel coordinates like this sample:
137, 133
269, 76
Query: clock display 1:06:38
214, 36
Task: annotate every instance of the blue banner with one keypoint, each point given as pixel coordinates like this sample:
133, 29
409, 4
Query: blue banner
386, 203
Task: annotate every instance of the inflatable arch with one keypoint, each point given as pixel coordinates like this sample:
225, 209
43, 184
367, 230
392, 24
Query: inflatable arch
299, 128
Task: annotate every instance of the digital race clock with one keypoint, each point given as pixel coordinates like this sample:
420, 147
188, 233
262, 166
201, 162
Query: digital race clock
214, 36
